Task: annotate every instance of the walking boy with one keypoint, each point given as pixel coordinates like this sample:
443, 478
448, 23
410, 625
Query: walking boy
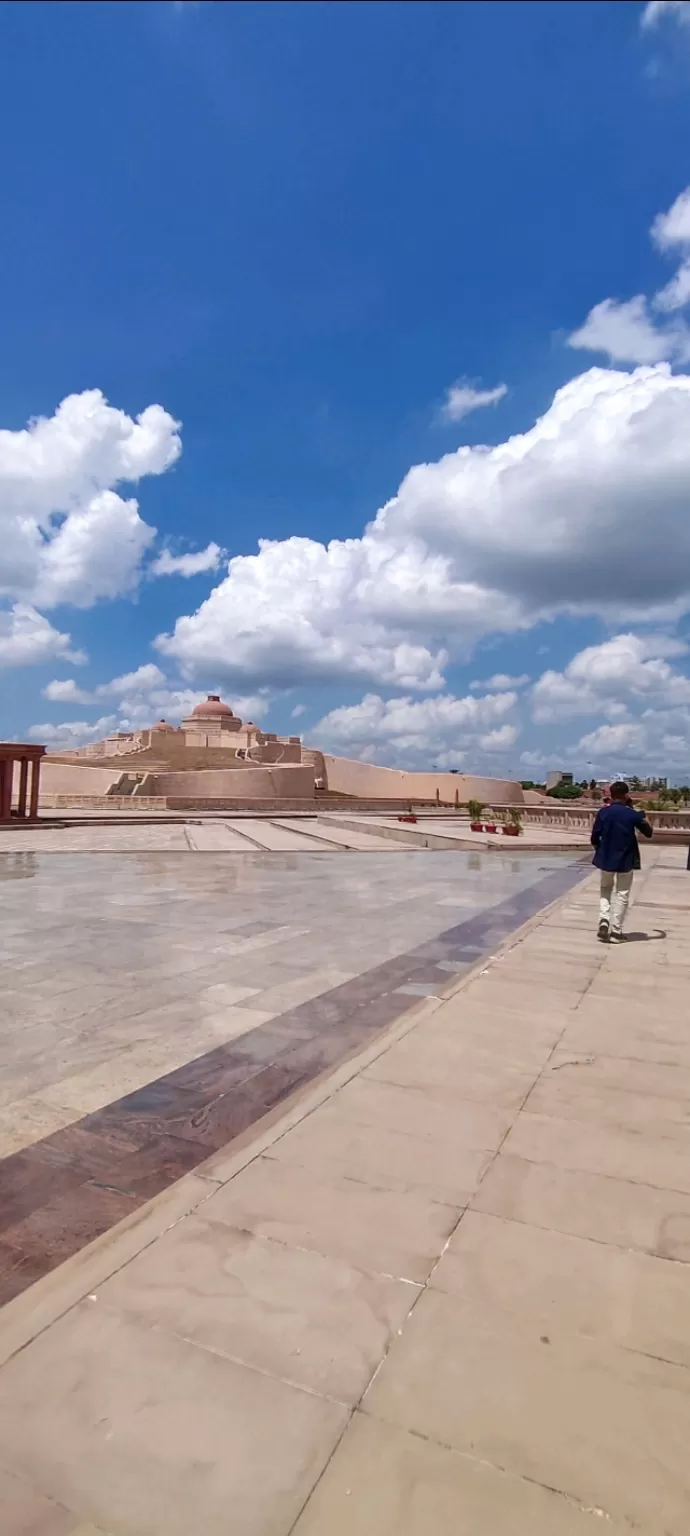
617, 855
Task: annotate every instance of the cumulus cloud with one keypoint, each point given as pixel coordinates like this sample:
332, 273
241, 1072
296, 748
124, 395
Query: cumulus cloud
610, 740
167, 564
142, 680
500, 682
67, 535
499, 740
463, 398
27, 639
139, 698
634, 688
660, 10
627, 333
418, 732
612, 678
302, 611
630, 331
658, 740
72, 733
66, 691
584, 513
540, 760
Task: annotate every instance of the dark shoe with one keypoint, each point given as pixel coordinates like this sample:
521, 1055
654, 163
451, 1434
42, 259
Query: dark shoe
603, 931
616, 937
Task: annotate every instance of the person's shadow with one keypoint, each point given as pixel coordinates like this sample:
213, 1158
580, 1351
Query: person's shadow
645, 938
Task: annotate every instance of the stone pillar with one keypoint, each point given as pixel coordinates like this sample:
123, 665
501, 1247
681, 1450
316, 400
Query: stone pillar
35, 777
23, 783
6, 789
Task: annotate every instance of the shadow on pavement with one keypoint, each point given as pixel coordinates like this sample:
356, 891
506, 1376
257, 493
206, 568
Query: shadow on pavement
642, 938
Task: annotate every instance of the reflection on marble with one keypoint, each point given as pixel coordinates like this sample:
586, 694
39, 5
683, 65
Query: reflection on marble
156, 1007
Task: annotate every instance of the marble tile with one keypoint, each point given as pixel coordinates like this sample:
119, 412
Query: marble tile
298, 989
610, 1210
383, 1481
378, 1230
156, 1039
96, 1412
306, 1318
584, 1146
423, 1113
26, 1512
383, 1158
604, 1426
28, 1120
557, 1282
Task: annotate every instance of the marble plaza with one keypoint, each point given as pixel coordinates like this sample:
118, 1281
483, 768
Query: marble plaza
155, 1005
393, 1236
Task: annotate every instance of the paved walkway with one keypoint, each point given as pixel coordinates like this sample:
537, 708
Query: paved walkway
447, 1294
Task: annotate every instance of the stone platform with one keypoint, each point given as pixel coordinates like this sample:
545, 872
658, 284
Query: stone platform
446, 1291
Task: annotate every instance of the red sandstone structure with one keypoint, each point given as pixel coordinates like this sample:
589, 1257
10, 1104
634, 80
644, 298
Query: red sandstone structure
15, 785
214, 760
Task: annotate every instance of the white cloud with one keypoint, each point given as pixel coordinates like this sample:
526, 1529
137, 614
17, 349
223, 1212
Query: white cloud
72, 733
142, 697
95, 554
584, 513
500, 682
67, 536
612, 678
644, 698
207, 559
628, 334
419, 732
143, 680
628, 740
66, 691
27, 639
301, 611
540, 760
298, 710
659, 10
463, 398
499, 740
627, 331
673, 227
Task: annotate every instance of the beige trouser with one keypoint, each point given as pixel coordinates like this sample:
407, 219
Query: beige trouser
614, 897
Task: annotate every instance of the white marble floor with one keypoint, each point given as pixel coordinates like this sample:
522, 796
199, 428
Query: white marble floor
117, 968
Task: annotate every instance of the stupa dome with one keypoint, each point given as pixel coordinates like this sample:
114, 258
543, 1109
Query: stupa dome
212, 708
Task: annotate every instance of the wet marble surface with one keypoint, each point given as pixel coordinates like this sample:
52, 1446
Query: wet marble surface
154, 1007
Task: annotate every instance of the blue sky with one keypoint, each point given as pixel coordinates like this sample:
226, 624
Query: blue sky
294, 228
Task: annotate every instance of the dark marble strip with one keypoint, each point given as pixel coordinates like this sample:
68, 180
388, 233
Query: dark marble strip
62, 1192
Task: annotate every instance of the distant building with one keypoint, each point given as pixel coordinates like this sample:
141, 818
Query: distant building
556, 777
215, 759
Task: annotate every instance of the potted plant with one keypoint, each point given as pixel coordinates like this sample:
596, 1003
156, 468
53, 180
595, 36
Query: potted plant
490, 826
475, 808
512, 826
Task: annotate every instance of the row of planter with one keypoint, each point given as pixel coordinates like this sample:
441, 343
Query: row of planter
509, 829
512, 826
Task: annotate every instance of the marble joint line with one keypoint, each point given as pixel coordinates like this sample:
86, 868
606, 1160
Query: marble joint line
63, 1191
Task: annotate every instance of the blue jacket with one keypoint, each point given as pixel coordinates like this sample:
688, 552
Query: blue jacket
613, 837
